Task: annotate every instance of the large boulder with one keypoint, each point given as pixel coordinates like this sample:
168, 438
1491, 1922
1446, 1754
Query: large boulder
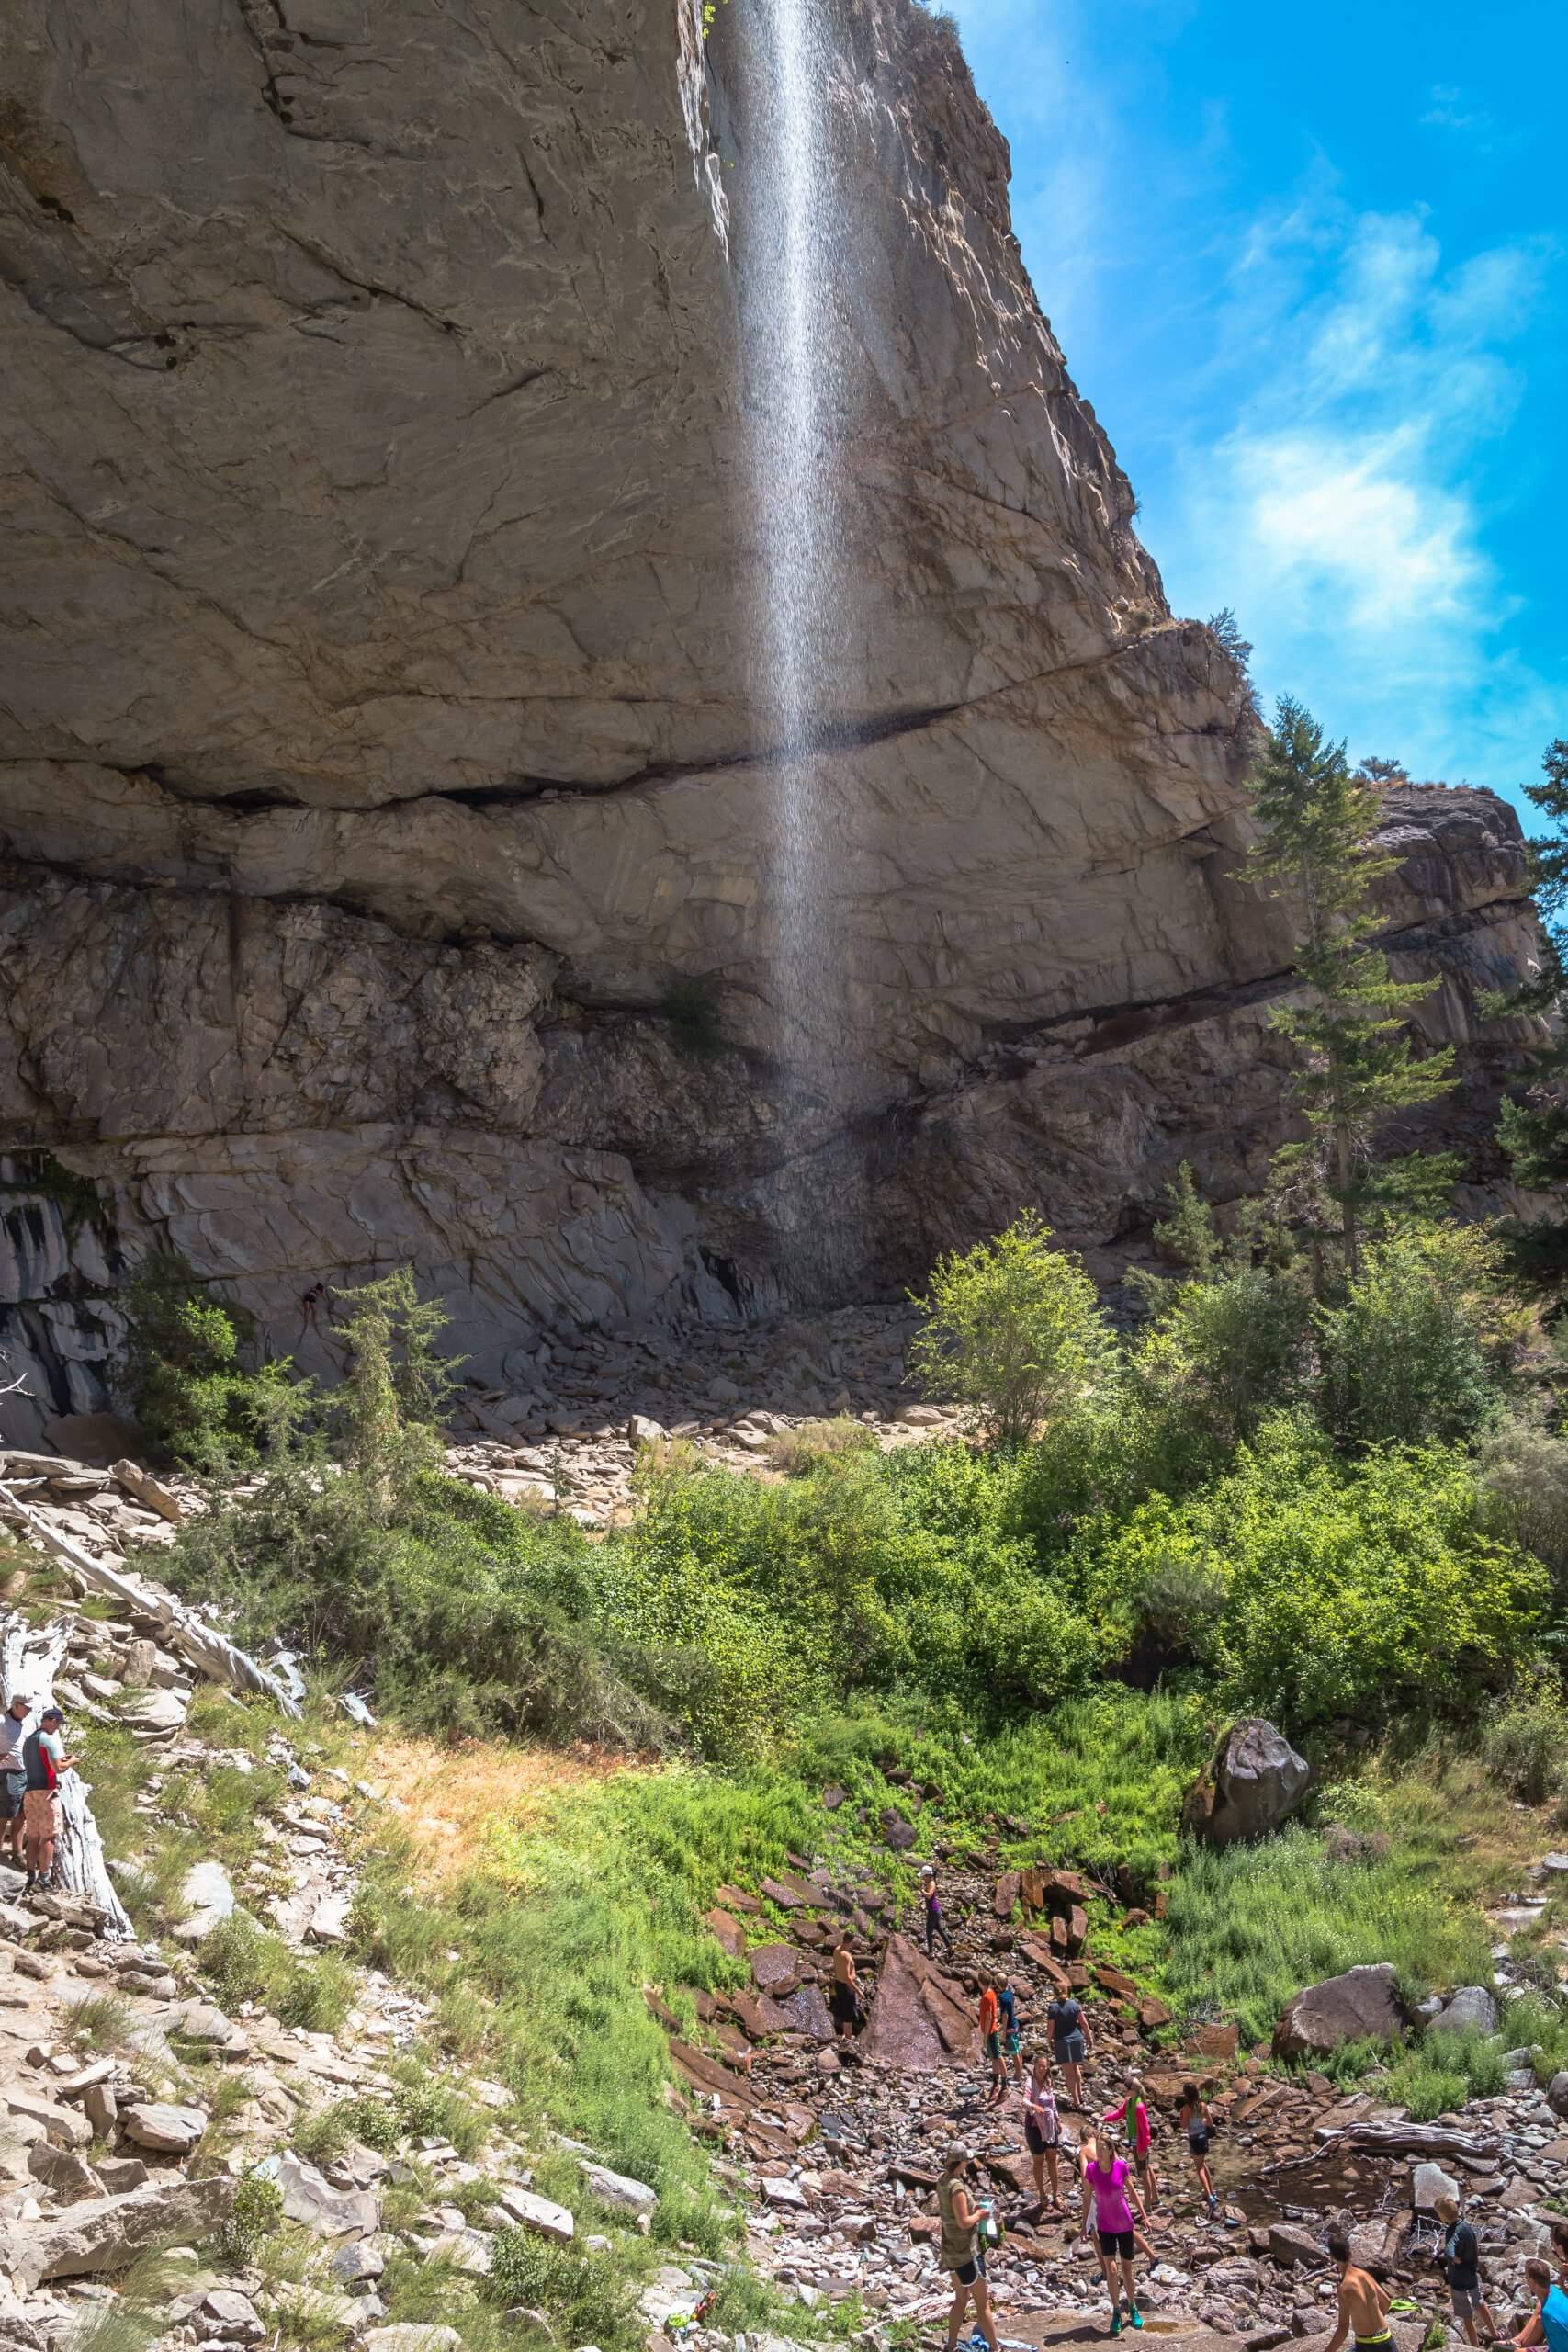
105, 2233
1469, 2009
1362, 2006
1255, 1780
920, 2017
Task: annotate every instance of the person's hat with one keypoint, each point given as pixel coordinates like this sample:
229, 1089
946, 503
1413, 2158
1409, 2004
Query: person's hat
52, 1715
19, 1699
957, 2154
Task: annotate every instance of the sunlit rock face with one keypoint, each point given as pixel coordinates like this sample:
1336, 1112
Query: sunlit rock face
388, 797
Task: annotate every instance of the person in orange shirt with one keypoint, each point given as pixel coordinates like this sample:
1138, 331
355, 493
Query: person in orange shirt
991, 2035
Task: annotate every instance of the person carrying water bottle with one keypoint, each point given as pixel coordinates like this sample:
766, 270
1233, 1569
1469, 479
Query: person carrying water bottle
962, 2250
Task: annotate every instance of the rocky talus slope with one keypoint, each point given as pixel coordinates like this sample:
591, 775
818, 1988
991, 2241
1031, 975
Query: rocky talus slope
135, 2107
391, 833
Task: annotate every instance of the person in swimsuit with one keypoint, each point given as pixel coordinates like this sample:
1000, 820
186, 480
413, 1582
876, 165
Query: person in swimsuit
843, 1992
1012, 2037
1193, 2118
1135, 2109
1363, 2305
991, 2035
935, 1924
1459, 2259
1108, 2186
962, 2251
1070, 2042
1043, 2132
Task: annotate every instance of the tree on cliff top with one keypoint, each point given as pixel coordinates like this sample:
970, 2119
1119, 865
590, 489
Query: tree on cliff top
1535, 1130
1356, 1066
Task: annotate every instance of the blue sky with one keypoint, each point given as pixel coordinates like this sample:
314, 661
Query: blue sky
1310, 267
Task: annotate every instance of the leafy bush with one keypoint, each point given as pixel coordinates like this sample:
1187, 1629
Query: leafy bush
1414, 1354
180, 1371
1525, 1740
1361, 1589
1014, 1330
244, 1963
257, 2213
1523, 1473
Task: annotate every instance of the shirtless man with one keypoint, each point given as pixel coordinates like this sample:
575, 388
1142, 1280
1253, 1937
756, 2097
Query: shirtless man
1363, 2305
843, 1992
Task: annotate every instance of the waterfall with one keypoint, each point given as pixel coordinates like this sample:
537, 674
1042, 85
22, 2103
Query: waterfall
793, 309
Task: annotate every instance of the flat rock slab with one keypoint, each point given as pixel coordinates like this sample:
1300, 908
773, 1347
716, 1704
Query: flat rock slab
921, 2017
168, 2131
331, 2212
105, 2232
619, 2190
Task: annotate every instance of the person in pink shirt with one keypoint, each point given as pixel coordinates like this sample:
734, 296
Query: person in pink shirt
1108, 2187
1141, 2140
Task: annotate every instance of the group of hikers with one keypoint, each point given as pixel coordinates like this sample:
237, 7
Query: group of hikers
32, 1759
1120, 2195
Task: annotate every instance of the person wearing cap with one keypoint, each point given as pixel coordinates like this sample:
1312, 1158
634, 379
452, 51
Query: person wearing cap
13, 1779
43, 1760
961, 2250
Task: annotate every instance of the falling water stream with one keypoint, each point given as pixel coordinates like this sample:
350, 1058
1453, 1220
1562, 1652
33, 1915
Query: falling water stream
794, 313
794, 275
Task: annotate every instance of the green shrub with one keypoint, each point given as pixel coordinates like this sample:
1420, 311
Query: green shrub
1525, 1738
180, 1366
1523, 1473
257, 2214
1015, 1331
1358, 1588
244, 1963
1413, 1356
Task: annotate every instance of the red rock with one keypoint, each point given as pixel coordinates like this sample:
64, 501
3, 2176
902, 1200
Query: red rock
776, 1968
734, 1898
1058, 1934
1077, 1927
921, 2017
759, 2015
1217, 2043
1004, 1899
1136, 1918
1111, 1980
1153, 2014
1064, 1887
788, 1897
1031, 1886
727, 1929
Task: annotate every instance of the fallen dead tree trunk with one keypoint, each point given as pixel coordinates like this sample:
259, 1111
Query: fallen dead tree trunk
29, 1660
1408, 2140
208, 1651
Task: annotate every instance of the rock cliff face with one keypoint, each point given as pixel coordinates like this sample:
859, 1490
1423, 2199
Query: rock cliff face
390, 826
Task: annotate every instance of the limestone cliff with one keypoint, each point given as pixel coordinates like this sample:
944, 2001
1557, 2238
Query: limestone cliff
389, 820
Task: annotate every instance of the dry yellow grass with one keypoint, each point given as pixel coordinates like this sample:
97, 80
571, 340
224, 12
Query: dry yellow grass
454, 1800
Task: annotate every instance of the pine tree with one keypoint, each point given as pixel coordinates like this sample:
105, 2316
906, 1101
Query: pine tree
1534, 1130
1357, 1068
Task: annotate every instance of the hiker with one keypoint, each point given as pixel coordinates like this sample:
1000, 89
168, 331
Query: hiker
43, 1760
1071, 2043
1363, 2305
13, 1773
1548, 2324
1459, 2259
991, 2035
1043, 2132
935, 1924
1012, 2037
963, 2251
1140, 2137
1108, 2186
1193, 2118
843, 1993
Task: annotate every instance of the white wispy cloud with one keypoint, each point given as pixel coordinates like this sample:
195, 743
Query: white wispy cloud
1337, 510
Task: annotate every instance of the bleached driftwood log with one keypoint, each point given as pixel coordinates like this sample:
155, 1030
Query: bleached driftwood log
29, 1659
208, 1651
1410, 2140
